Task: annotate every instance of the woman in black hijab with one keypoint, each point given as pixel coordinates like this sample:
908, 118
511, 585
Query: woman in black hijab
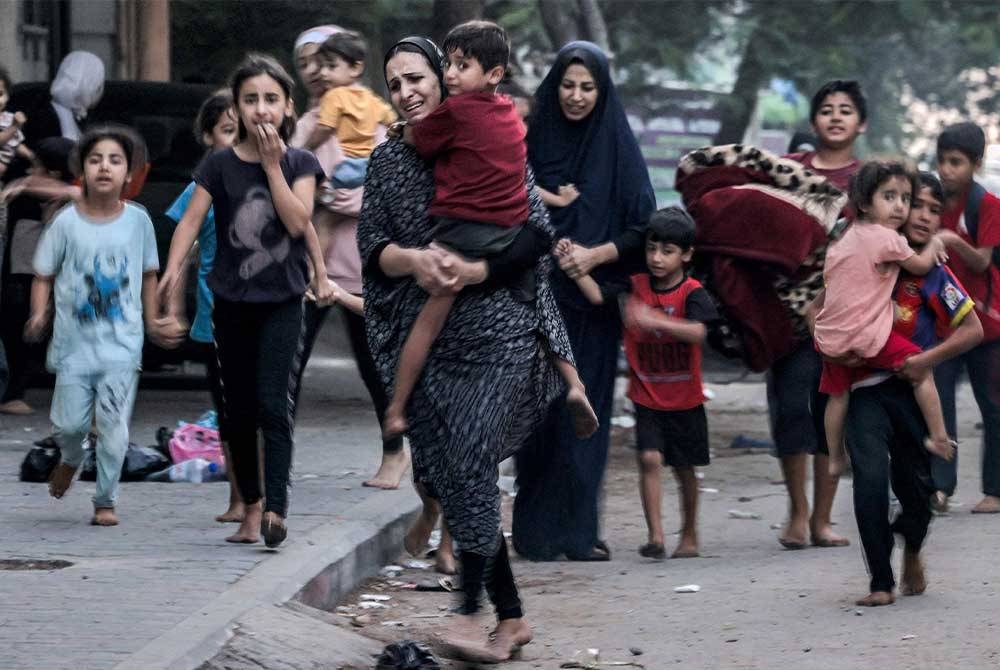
585, 157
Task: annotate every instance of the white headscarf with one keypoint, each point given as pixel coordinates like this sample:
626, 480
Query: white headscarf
315, 35
78, 86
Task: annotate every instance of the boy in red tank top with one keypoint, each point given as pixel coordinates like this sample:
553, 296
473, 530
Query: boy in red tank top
665, 324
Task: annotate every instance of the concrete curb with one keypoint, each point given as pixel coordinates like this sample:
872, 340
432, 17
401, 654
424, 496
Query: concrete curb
317, 569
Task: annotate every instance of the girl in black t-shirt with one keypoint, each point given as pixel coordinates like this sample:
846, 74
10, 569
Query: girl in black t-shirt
262, 193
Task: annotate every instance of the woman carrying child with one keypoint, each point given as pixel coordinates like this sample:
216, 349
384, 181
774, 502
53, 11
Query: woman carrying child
488, 376
262, 196
336, 225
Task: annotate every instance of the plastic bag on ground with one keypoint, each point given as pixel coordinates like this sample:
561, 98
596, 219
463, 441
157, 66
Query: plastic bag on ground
407, 655
38, 464
139, 463
192, 441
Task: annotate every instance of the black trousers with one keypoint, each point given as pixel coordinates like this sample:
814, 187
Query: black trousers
355, 324
256, 345
885, 436
494, 572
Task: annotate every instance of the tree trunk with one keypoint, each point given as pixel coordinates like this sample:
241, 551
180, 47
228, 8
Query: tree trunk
560, 20
739, 106
449, 13
593, 25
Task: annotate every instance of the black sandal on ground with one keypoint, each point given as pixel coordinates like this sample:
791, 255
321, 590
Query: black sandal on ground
274, 532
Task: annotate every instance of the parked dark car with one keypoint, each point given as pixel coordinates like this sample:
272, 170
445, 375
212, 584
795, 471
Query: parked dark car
163, 113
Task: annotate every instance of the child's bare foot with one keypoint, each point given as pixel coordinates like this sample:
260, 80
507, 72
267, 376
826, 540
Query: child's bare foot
234, 514
988, 505
395, 424
585, 421
876, 599
391, 471
795, 534
249, 531
943, 447
913, 582
510, 635
465, 640
823, 536
61, 479
419, 534
445, 563
686, 548
104, 516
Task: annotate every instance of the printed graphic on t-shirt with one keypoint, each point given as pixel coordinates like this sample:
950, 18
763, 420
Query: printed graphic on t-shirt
663, 361
253, 227
105, 291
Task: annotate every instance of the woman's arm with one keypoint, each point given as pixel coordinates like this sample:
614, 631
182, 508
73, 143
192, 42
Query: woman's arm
582, 260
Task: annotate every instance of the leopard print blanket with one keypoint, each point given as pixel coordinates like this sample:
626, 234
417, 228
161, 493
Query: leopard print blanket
790, 181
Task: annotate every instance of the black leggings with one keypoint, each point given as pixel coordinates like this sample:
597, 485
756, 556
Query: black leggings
498, 578
256, 345
314, 318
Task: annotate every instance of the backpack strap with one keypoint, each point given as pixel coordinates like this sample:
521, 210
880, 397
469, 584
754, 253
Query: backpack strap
972, 203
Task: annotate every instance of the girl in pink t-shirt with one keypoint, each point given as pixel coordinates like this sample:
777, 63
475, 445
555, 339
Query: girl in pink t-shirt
856, 309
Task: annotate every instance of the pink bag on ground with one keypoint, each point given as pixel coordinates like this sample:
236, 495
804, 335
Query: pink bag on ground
194, 441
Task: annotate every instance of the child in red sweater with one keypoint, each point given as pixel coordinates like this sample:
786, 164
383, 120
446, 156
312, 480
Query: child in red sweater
476, 139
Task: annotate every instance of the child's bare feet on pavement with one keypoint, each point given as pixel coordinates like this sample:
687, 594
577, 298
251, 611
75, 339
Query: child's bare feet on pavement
585, 421
391, 471
104, 516
234, 514
419, 534
941, 446
249, 531
913, 582
876, 599
61, 479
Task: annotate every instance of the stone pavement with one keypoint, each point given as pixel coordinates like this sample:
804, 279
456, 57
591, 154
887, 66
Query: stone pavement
160, 588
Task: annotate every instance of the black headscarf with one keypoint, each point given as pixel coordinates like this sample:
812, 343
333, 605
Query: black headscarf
598, 154
430, 51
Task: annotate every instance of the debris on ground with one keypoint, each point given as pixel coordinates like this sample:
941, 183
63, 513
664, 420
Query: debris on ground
741, 514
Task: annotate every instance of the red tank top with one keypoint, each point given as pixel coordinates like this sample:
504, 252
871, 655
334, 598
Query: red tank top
664, 374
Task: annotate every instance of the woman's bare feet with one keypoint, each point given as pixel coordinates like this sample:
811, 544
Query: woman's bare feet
943, 447
876, 599
391, 471
395, 424
419, 534
913, 582
234, 514
465, 640
585, 421
249, 531
104, 516
988, 505
509, 636
61, 479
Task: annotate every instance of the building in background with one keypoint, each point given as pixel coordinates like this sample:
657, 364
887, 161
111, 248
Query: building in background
132, 37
